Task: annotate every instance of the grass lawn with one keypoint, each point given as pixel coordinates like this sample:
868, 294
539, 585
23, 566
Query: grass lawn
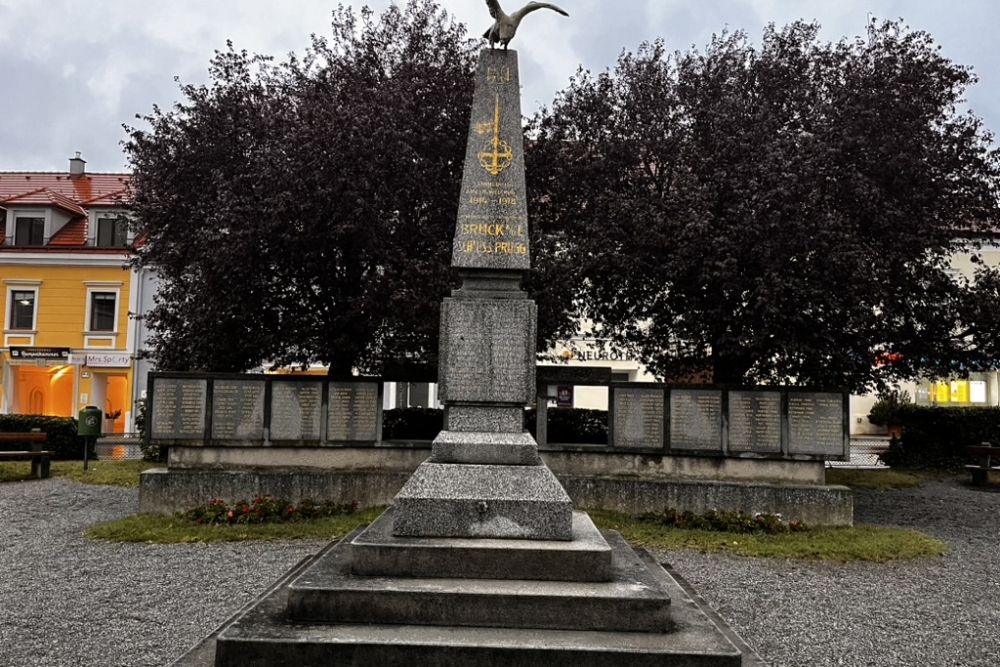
114, 473
860, 543
876, 544
165, 529
881, 480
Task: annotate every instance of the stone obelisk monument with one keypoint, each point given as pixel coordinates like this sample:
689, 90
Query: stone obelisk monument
484, 477
481, 560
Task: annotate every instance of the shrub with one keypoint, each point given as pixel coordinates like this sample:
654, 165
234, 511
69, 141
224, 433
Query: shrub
412, 423
60, 434
568, 425
572, 425
724, 522
934, 437
885, 410
264, 509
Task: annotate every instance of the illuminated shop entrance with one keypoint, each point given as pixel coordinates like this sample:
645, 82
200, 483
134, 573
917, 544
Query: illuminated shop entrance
42, 390
108, 391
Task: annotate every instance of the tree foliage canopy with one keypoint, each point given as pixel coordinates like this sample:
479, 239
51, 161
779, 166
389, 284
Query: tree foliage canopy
775, 213
772, 213
303, 211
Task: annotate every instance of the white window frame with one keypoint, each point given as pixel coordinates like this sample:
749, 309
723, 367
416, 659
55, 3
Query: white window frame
21, 286
44, 213
94, 287
95, 217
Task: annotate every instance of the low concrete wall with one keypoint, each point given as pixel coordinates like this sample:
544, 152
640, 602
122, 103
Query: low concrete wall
312, 459
814, 505
577, 462
689, 468
167, 491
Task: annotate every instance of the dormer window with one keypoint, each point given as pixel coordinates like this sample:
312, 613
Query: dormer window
29, 231
112, 232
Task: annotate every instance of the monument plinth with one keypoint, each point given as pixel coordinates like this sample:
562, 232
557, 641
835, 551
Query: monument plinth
485, 478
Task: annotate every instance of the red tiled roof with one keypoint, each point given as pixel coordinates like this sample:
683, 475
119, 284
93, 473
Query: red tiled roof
73, 233
73, 194
46, 197
85, 189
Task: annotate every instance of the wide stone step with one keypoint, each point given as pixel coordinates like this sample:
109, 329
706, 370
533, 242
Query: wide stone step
633, 601
263, 637
377, 552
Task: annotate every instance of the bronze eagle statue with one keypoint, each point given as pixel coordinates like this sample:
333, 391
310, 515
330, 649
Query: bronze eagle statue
504, 26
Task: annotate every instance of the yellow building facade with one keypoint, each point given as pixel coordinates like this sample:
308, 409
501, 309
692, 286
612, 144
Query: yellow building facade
66, 296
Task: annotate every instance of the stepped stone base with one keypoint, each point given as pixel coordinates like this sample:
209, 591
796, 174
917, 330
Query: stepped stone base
261, 635
489, 501
632, 601
377, 552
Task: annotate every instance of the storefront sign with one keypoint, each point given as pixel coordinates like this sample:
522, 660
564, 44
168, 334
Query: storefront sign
109, 360
594, 350
54, 353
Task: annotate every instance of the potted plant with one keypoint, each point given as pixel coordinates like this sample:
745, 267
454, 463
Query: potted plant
885, 411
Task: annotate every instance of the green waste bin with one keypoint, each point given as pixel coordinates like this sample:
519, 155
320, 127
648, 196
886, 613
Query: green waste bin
90, 421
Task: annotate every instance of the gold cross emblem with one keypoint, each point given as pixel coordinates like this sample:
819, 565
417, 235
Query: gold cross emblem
496, 154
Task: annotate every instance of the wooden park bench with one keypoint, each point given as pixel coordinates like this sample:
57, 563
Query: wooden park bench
40, 459
988, 469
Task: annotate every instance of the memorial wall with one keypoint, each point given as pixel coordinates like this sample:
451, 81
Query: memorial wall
760, 421
254, 410
305, 411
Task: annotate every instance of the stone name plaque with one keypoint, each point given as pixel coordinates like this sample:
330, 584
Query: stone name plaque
178, 409
295, 410
755, 421
816, 424
353, 415
638, 418
487, 350
696, 419
238, 410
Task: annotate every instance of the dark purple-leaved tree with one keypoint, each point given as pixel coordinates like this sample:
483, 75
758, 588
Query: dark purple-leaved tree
773, 213
303, 211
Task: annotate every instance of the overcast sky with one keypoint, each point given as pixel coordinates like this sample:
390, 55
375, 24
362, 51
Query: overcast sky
72, 71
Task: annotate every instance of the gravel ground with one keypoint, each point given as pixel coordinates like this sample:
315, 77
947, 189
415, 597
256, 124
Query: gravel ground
933, 612
67, 602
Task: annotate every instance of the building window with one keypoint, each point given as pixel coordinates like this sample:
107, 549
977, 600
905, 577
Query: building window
29, 231
22, 309
112, 232
102, 311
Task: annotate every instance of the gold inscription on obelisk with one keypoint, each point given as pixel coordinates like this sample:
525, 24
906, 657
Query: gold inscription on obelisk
497, 154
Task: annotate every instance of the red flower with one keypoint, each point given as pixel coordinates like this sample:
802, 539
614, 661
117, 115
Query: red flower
230, 515
246, 510
291, 509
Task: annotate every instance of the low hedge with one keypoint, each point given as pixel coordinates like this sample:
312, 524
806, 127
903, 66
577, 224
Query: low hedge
575, 426
412, 423
566, 425
934, 437
60, 434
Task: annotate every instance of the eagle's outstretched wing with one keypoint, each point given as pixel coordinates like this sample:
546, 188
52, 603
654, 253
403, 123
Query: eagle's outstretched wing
530, 7
495, 10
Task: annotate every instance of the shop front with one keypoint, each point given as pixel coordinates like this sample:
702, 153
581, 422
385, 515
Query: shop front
56, 381
40, 381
